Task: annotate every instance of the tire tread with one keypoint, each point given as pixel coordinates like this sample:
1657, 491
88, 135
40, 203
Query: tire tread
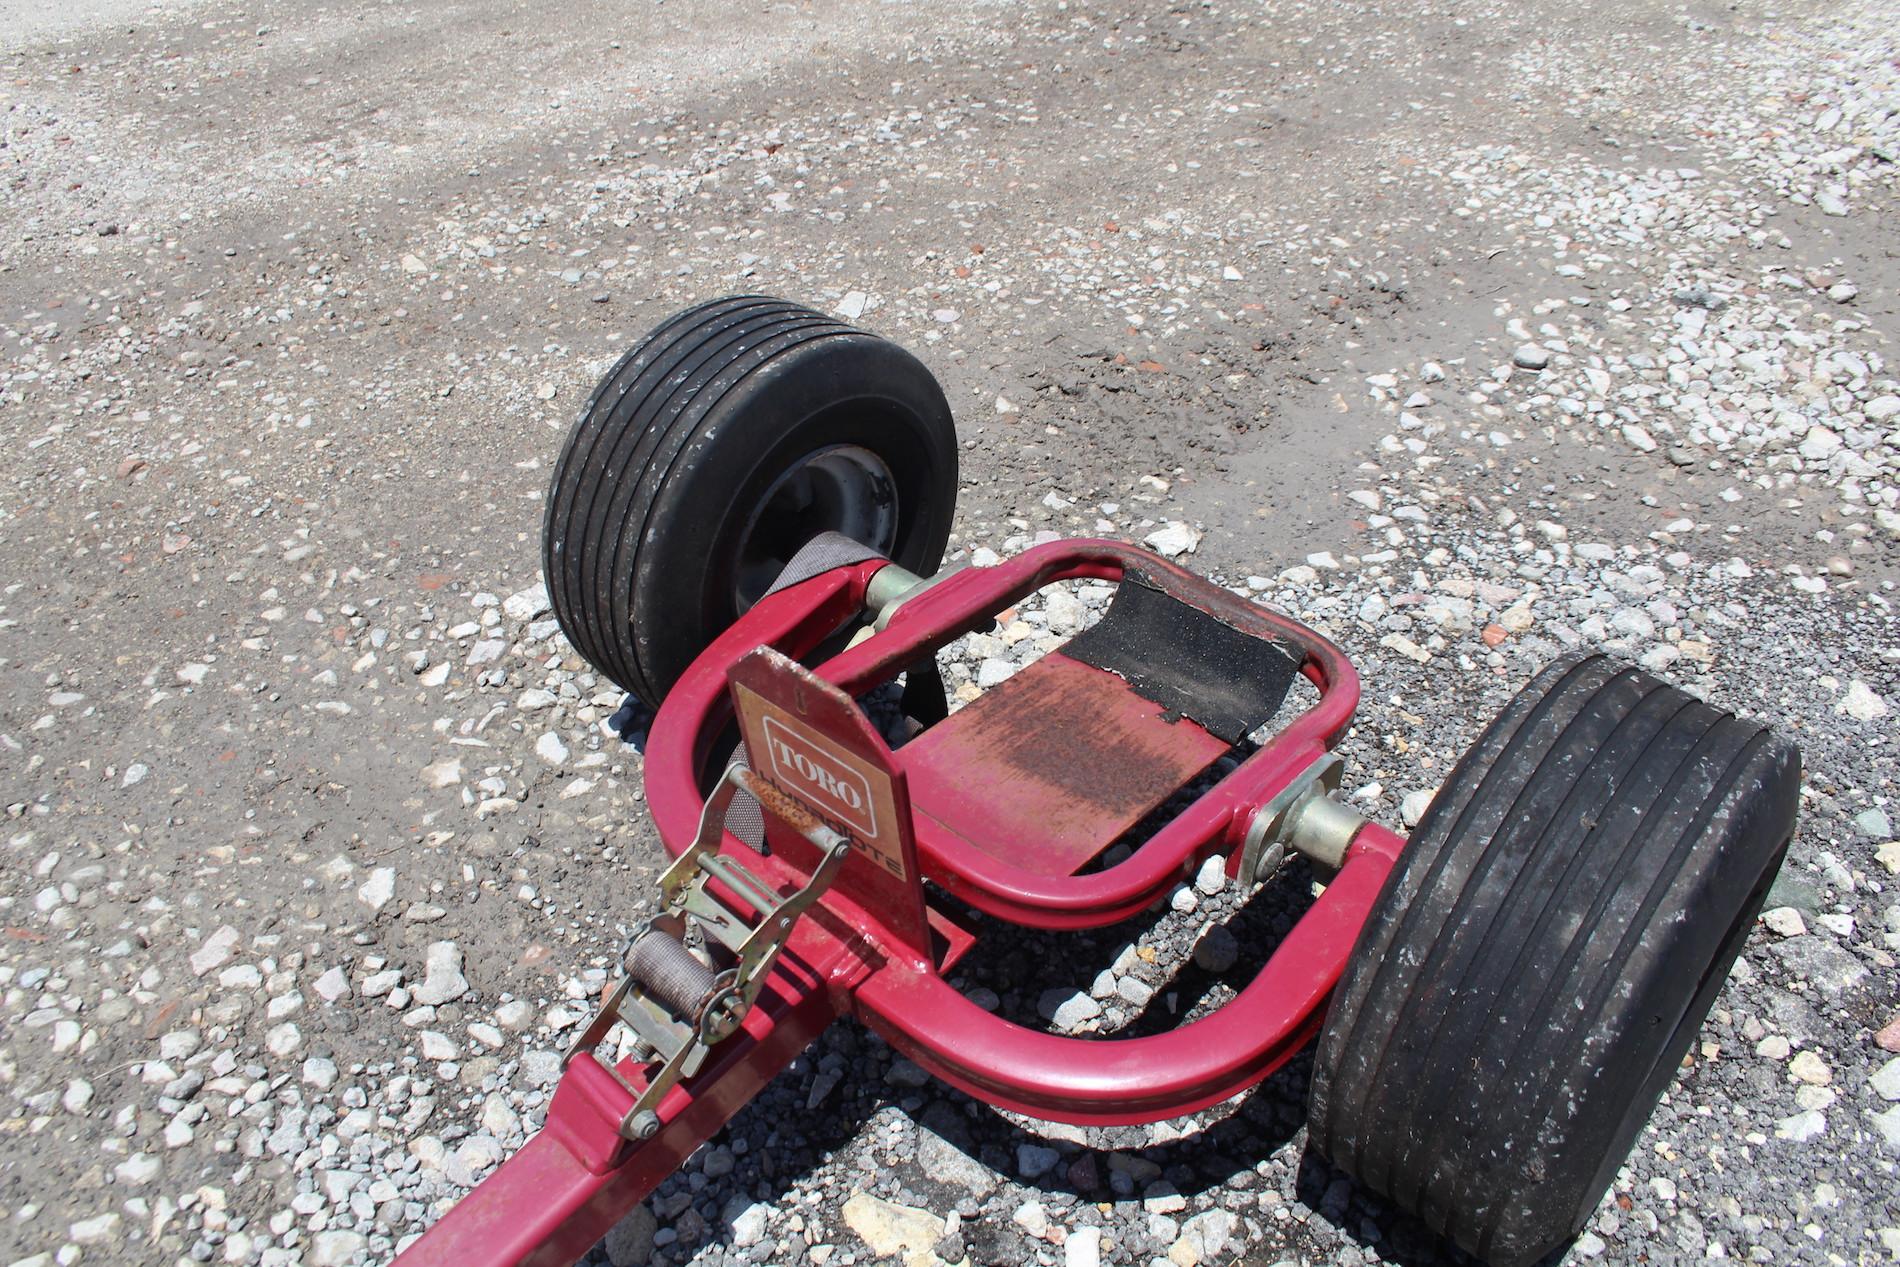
1520, 936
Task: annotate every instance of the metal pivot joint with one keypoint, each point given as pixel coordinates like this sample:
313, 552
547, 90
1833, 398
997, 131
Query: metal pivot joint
679, 1003
1303, 817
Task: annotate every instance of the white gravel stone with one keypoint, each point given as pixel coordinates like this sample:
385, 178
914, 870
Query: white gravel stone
1807, 1066
1206, 1236
332, 985
138, 1170
442, 979
1785, 920
1860, 702
377, 984
1083, 1248
1068, 1008
178, 1044
1801, 1127
378, 889
749, 1224
337, 1249
994, 672
215, 951
1031, 1216
1819, 444
1887, 1126
1174, 540
319, 1072
1888, 856
526, 604
94, 1231
487, 651
498, 1117
541, 1068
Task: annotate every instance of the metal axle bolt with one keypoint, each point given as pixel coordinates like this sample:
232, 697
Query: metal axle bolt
1302, 817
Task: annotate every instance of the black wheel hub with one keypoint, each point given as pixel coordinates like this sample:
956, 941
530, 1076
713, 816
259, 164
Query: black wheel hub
844, 489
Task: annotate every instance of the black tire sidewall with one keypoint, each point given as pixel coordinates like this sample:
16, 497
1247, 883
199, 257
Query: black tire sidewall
849, 389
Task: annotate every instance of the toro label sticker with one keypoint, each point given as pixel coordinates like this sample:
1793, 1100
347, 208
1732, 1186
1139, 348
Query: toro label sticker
842, 787
819, 775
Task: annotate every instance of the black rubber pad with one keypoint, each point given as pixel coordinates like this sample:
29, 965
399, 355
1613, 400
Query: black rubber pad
1228, 682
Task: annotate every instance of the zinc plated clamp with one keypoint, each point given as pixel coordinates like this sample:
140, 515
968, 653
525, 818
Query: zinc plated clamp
677, 1005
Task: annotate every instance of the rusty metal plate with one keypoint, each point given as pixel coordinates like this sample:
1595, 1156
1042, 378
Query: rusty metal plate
1047, 769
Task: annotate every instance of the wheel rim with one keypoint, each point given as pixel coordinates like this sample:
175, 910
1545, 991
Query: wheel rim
844, 489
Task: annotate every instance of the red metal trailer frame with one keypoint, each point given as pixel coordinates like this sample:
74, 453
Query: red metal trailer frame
873, 947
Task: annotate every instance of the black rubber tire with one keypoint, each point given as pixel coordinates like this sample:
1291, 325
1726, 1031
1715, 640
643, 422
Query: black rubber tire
1544, 952
654, 489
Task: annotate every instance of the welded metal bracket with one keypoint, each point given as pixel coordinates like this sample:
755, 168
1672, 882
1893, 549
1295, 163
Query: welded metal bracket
1302, 816
676, 1003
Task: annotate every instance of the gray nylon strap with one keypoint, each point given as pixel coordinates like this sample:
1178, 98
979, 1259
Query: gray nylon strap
822, 553
827, 550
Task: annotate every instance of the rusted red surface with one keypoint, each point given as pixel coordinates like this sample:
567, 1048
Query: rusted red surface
1015, 775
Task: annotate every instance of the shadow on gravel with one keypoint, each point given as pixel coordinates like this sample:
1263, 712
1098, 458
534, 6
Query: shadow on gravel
1378, 1226
772, 1145
830, 1101
1193, 963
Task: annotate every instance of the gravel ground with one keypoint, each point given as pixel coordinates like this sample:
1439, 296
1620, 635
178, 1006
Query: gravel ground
1468, 334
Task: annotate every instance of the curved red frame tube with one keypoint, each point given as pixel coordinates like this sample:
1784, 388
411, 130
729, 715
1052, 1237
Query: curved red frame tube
1118, 1081
1086, 1081
568, 1186
797, 619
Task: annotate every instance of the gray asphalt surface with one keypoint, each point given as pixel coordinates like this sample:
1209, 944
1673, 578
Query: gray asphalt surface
1470, 333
